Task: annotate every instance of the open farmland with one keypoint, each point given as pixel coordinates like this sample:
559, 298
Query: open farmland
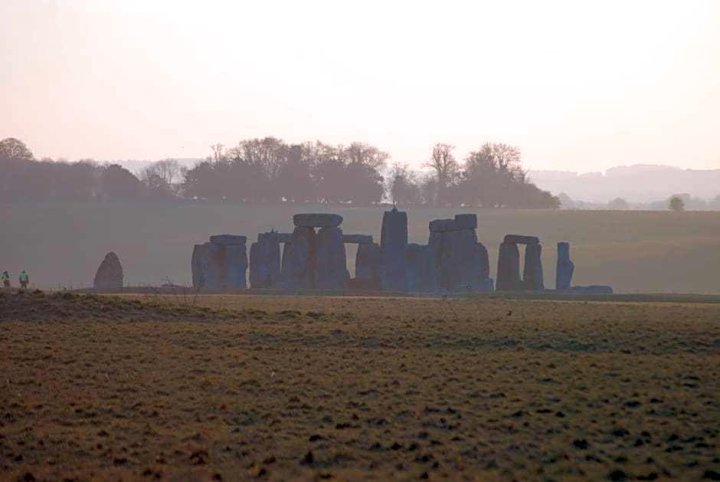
61, 244
341, 388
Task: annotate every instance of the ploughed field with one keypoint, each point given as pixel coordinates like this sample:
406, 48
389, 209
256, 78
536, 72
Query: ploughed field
331, 388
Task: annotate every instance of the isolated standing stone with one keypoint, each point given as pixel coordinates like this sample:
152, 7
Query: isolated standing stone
565, 267
298, 263
109, 275
393, 243
330, 261
199, 265
367, 266
508, 272
533, 269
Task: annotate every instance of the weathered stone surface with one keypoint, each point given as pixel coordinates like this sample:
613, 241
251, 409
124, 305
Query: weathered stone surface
367, 266
298, 263
461, 262
199, 255
520, 239
456, 265
236, 265
533, 269
265, 261
317, 220
421, 268
442, 225
565, 268
228, 239
481, 267
330, 262
219, 266
357, 238
393, 243
283, 237
109, 275
465, 221
508, 271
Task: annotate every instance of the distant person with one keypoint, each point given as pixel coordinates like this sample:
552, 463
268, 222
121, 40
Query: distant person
24, 279
5, 279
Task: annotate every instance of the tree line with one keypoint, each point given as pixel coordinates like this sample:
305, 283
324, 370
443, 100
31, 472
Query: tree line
269, 170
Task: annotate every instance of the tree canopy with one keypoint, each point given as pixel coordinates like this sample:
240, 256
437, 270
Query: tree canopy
268, 170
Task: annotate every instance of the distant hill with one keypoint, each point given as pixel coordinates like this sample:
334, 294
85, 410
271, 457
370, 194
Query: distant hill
640, 183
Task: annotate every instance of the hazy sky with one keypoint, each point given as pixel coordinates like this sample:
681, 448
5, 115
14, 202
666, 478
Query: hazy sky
575, 84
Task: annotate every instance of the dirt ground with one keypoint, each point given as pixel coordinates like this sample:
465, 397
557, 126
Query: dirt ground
323, 388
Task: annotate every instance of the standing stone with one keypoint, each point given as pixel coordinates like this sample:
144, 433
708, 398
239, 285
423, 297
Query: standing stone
236, 265
367, 266
265, 261
199, 265
533, 269
466, 270
226, 267
482, 261
298, 264
481, 269
220, 264
508, 272
109, 275
421, 268
461, 263
330, 261
565, 268
393, 243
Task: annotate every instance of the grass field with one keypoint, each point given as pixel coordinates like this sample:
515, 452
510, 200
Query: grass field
352, 388
62, 244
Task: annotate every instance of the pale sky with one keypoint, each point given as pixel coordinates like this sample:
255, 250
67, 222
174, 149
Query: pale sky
577, 85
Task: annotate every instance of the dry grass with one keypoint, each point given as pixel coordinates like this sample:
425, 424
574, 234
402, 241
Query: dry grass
314, 388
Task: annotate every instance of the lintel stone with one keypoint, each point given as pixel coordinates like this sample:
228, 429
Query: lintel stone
317, 220
521, 239
357, 238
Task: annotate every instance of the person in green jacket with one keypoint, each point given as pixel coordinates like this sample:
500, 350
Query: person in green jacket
24, 279
5, 279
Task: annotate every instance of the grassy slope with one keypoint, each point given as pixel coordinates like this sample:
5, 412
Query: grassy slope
633, 251
378, 389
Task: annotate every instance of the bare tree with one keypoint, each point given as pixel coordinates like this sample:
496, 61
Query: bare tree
15, 149
217, 152
443, 162
361, 153
163, 178
403, 186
